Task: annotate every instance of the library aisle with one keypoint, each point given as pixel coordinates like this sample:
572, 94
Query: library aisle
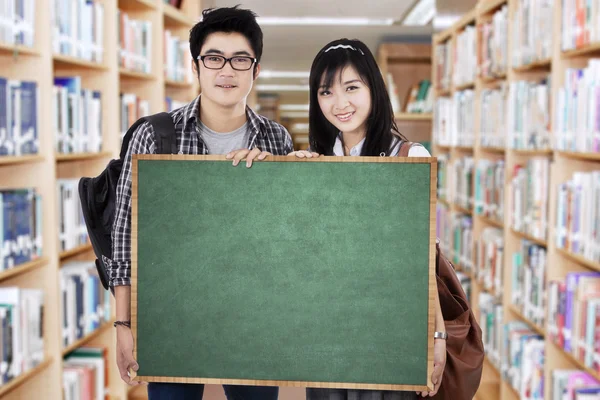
516, 134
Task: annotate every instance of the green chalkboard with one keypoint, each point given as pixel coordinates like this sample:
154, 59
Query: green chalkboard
291, 272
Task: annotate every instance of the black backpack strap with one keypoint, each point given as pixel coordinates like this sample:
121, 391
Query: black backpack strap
164, 133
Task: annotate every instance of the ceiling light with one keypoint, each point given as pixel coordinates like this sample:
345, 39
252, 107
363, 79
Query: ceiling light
283, 74
293, 107
324, 21
282, 88
421, 14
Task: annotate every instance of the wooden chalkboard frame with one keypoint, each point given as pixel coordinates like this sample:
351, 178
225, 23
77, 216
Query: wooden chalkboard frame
432, 296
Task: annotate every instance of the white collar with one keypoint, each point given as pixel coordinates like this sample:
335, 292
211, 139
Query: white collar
338, 147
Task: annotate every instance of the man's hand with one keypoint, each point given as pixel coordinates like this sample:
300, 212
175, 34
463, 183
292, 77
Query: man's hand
304, 154
439, 363
248, 155
125, 360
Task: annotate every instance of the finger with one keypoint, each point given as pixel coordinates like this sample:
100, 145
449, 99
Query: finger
300, 154
239, 155
309, 154
263, 155
123, 372
133, 365
251, 156
315, 155
231, 154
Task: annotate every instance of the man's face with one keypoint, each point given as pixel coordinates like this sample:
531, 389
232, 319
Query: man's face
226, 86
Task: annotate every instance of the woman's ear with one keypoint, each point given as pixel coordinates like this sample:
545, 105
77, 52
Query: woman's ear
256, 71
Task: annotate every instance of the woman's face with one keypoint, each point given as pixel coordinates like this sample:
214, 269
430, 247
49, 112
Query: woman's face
347, 103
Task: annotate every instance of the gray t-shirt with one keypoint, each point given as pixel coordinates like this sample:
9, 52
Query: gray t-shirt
223, 143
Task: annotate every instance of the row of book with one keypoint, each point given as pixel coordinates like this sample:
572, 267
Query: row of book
465, 63
77, 117
531, 33
460, 180
85, 305
528, 115
72, 231
580, 24
135, 43
177, 58
172, 104
443, 55
578, 215
85, 374
419, 98
20, 227
528, 287
78, 29
513, 348
488, 259
17, 22
453, 120
492, 128
574, 316
444, 189
132, 108
489, 189
529, 192
493, 51
21, 331
573, 384
19, 124
577, 115
455, 231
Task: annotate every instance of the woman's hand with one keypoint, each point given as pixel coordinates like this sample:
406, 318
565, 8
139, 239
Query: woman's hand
439, 363
304, 154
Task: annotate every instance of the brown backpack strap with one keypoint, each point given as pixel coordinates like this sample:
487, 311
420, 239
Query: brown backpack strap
404, 149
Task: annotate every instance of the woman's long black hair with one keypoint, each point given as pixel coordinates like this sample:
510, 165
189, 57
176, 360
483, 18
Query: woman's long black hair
381, 127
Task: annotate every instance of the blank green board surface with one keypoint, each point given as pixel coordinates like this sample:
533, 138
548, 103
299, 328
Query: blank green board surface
287, 271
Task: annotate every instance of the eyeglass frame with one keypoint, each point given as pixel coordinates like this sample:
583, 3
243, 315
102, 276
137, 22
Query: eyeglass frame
227, 60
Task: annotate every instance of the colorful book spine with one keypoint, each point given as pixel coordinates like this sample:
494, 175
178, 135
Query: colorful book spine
492, 128
528, 281
135, 43
493, 49
489, 259
531, 34
465, 63
578, 215
577, 115
489, 189
443, 66
529, 197
78, 29
490, 321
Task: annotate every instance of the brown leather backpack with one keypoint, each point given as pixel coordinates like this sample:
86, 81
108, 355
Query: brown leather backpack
464, 347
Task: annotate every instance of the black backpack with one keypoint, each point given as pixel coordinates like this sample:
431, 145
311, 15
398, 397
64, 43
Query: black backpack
98, 195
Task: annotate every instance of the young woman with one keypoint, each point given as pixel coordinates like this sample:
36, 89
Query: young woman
350, 114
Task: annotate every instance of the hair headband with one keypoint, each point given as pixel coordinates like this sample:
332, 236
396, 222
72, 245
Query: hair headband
344, 46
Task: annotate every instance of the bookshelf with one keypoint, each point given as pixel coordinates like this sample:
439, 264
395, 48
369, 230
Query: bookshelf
41, 171
545, 59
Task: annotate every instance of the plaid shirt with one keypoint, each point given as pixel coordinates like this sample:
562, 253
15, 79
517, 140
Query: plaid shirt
265, 134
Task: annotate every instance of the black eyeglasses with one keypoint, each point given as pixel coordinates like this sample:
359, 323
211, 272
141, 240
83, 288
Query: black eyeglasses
239, 63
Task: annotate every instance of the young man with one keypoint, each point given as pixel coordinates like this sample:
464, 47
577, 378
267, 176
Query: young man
226, 47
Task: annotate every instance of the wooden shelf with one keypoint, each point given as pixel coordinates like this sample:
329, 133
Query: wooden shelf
413, 117
23, 378
591, 49
490, 221
530, 238
127, 74
461, 209
493, 150
73, 62
91, 336
11, 160
17, 50
489, 6
467, 19
537, 65
465, 86
137, 5
443, 92
580, 156
579, 259
530, 153
576, 362
468, 149
442, 147
537, 329
443, 201
76, 251
176, 84
82, 156
512, 390
174, 17
493, 79
23, 268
